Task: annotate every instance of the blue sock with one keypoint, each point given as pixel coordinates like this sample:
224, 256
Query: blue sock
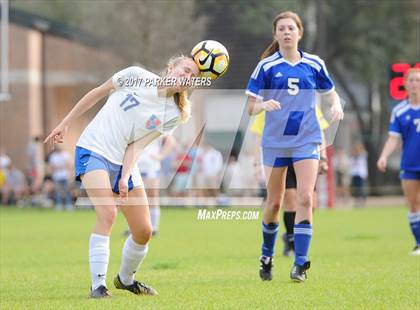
303, 235
269, 238
414, 219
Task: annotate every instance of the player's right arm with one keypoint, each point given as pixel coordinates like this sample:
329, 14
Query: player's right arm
393, 141
390, 146
84, 104
256, 106
131, 155
255, 89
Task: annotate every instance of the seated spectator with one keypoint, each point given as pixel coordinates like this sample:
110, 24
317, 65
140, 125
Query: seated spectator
14, 188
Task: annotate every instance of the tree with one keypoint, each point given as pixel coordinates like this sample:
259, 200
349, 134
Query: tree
357, 39
365, 38
144, 31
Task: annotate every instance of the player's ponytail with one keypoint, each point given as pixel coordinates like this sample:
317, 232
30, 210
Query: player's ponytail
181, 98
274, 46
271, 49
184, 105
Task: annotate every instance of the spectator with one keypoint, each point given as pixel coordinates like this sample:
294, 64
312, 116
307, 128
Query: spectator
212, 161
4, 160
231, 181
167, 172
33, 165
4, 163
359, 174
196, 173
59, 162
341, 170
182, 163
14, 187
2, 178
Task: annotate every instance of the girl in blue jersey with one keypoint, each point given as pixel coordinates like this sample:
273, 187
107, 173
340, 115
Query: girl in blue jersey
139, 109
284, 84
405, 127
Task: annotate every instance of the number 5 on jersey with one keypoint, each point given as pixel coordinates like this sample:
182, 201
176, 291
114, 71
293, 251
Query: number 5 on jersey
129, 102
293, 87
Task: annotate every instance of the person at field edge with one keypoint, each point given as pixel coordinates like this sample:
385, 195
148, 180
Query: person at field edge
359, 174
405, 127
283, 84
138, 110
59, 163
149, 164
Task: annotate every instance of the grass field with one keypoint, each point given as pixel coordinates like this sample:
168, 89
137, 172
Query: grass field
359, 261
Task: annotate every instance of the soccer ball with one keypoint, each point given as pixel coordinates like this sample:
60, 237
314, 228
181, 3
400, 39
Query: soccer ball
211, 57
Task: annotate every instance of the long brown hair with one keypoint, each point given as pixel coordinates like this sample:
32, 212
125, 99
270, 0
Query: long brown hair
181, 98
274, 46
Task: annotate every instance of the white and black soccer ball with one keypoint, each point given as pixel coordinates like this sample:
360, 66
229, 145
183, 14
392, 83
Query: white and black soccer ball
211, 57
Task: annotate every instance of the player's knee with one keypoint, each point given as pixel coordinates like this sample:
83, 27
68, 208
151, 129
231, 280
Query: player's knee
108, 217
305, 199
273, 205
142, 234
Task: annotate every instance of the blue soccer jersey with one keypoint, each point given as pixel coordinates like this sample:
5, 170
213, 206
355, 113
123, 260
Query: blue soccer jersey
405, 123
294, 86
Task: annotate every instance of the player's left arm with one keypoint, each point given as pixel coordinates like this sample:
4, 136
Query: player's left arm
325, 86
132, 153
83, 105
323, 162
336, 109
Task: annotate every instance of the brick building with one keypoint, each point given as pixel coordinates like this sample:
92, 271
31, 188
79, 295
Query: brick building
51, 66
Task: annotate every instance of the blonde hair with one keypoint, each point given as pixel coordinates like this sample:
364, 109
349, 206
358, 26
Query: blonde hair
274, 46
181, 98
410, 71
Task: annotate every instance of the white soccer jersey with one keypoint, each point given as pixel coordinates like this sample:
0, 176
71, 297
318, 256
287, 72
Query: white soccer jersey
131, 112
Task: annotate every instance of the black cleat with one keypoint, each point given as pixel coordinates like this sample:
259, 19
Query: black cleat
100, 292
266, 264
298, 273
137, 288
289, 245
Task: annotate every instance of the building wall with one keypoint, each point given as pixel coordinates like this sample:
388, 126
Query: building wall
14, 114
71, 69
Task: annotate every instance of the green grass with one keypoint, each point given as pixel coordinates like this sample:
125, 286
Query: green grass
359, 261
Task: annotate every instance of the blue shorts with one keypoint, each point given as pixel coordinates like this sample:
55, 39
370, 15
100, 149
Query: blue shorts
278, 157
86, 161
409, 175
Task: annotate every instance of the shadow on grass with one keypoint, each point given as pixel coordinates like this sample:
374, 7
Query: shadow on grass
163, 265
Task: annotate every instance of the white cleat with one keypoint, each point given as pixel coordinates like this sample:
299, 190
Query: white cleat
416, 251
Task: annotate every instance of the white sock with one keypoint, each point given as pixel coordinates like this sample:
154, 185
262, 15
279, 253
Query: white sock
155, 218
132, 256
98, 259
